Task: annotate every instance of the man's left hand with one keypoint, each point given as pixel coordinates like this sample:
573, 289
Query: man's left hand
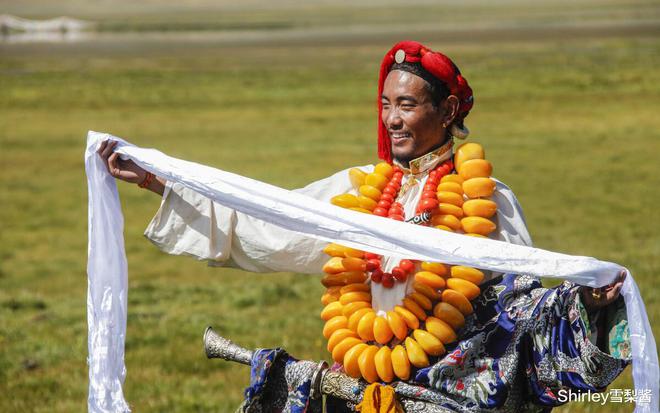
596, 298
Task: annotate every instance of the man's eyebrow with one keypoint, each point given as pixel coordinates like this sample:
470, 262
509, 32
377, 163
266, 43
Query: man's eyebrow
402, 98
407, 97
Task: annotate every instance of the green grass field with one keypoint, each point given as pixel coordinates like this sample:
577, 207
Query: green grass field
567, 102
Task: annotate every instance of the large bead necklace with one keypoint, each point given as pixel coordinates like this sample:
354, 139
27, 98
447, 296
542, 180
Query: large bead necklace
384, 345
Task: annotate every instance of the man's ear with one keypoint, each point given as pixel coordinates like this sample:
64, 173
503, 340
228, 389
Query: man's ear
450, 109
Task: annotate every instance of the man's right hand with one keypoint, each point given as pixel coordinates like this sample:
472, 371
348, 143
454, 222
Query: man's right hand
127, 171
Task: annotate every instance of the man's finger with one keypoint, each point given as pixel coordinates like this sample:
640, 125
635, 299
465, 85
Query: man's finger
102, 146
107, 150
112, 164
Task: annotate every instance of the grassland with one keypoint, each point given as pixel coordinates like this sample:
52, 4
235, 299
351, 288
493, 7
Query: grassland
568, 115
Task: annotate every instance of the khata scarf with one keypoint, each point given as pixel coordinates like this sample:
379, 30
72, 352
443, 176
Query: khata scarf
108, 272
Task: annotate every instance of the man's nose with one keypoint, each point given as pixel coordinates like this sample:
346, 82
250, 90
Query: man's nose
394, 120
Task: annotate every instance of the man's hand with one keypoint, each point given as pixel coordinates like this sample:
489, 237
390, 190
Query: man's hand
127, 171
595, 298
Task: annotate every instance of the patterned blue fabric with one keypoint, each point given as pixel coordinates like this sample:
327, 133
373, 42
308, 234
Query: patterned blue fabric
521, 346
278, 383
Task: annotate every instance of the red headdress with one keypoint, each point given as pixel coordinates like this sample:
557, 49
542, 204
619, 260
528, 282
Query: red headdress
435, 63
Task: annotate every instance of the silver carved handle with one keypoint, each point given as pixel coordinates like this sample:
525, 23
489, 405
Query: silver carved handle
222, 348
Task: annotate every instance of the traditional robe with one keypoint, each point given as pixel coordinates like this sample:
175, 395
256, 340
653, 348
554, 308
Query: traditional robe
521, 346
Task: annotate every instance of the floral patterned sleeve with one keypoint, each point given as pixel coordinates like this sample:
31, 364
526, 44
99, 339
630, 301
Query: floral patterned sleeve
614, 332
525, 344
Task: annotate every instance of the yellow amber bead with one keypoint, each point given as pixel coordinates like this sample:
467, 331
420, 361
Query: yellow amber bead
476, 168
338, 336
478, 225
448, 313
480, 208
384, 169
467, 151
334, 324
450, 187
367, 203
345, 201
354, 319
354, 296
343, 278
457, 300
370, 192
416, 353
410, 319
334, 266
361, 210
468, 289
450, 209
446, 220
367, 364
443, 331
331, 310
356, 177
331, 294
376, 180
336, 250
479, 187
432, 280
383, 361
397, 325
435, 267
400, 362
430, 343
382, 331
422, 300
414, 308
467, 273
355, 287
429, 292
353, 264
366, 326
452, 178
447, 197
350, 308
444, 228
350, 363
343, 346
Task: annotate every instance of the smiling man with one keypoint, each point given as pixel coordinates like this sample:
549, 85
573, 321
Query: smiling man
468, 339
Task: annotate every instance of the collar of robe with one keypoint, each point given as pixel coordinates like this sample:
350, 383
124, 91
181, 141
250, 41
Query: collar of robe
429, 160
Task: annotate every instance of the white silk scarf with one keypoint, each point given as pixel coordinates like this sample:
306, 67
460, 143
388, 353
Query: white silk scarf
108, 272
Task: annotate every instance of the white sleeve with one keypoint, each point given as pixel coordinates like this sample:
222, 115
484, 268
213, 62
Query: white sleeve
511, 225
190, 224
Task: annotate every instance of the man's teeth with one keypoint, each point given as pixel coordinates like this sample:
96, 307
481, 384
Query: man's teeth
400, 135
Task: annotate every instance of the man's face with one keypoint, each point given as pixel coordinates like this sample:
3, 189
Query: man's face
413, 123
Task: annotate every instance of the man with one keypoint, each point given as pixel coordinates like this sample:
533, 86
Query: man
521, 345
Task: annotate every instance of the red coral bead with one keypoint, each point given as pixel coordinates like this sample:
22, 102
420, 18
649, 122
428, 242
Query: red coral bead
387, 197
407, 265
373, 264
377, 276
388, 280
429, 204
399, 274
389, 190
429, 195
371, 256
381, 212
385, 204
397, 217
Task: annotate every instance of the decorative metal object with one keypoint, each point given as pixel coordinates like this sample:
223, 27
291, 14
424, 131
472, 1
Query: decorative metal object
222, 348
325, 381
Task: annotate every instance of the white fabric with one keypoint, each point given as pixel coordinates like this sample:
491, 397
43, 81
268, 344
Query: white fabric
188, 223
297, 212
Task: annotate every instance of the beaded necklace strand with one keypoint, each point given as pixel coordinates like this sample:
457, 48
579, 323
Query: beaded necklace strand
377, 347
